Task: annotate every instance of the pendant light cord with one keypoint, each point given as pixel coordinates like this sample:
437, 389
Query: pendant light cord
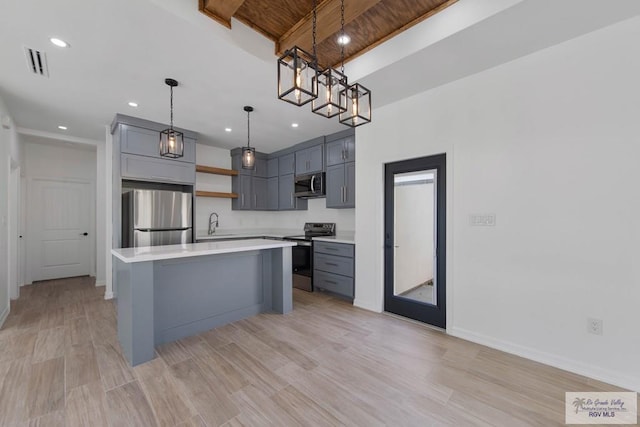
171, 102
315, 57
342, 36
248, 130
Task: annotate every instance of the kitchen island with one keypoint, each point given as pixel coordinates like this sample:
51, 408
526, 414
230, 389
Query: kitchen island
165, 293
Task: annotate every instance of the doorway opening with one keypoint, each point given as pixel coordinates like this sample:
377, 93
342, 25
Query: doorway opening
415, 239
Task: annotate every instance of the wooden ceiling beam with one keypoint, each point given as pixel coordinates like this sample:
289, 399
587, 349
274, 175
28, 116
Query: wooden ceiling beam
328, 23
220, 10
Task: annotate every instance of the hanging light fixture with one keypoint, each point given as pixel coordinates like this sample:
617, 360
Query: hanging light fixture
248, 152
171, 140
357, 98
331, 83
298, 72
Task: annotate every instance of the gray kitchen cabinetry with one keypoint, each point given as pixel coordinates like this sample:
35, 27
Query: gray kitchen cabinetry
272, 193
157, 170
341, 151
341, 186
259, 192
260, 168
310, 160
145, 142
242, 186
286, 197
333, 267
272, 168
287, 164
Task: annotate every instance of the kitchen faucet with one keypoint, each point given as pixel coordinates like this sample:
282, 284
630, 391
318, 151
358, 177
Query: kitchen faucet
213, 224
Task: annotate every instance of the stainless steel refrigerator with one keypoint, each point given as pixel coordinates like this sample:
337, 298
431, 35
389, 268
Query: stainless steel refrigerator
156, 217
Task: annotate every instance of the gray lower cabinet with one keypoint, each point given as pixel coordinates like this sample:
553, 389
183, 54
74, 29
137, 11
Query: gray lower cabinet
286, 198
334, 268
341, 186
272, 193
310, 160
144, 168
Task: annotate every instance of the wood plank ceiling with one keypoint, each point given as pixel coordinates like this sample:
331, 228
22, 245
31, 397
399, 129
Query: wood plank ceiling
289, 22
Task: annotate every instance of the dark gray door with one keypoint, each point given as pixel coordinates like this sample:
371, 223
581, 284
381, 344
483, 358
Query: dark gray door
335, 152
272, 194
350, 185
285, 192
415, 239
287, 164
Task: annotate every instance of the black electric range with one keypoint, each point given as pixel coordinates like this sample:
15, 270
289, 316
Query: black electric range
302, 253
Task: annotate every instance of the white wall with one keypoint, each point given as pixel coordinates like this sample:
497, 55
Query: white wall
294, 220
46, 158
550, 144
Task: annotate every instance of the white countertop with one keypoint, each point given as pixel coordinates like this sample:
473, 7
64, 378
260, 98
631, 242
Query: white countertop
340, 237
344, 237
156, 253
248, 233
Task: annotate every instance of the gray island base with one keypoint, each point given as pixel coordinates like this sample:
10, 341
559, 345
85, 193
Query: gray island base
165, 293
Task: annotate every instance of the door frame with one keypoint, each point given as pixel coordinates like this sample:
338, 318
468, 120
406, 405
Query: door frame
29, 219
435, 315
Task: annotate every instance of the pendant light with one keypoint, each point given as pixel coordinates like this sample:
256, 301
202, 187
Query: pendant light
248, 152
357, 98
171, 140
331, 83
298, 72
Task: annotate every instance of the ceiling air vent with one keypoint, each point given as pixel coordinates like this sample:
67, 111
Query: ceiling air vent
37, 62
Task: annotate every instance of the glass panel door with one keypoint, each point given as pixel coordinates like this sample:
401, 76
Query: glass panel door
415, 239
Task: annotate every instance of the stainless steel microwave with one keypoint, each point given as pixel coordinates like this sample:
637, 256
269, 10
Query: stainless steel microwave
309, 186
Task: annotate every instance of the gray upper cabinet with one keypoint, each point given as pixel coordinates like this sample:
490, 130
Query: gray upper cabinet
272, 193
341, 151
287, 164
341, 186
261, 167
156, 170
146, 142
241, 185
272, 168
310, 160
286, 198
260, 196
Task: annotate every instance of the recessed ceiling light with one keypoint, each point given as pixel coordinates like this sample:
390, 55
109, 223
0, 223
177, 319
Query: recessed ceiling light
227, 129
294, 125
133, 104
62, 127
344, 39
59, 42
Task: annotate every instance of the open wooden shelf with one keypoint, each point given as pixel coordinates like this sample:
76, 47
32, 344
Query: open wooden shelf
216, 194
216, 171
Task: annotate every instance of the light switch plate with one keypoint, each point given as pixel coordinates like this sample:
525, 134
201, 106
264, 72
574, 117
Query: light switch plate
482, 220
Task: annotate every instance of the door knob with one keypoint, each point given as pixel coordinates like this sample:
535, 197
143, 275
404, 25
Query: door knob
84, 234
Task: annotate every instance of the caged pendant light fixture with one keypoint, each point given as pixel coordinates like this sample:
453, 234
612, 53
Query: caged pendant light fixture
357, 98
331, 83
171, 140
248, 152
298, 72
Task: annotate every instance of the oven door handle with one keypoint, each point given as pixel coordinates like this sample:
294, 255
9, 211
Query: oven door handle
304, 243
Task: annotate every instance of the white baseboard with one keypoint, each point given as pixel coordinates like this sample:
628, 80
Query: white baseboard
101, 283
612, 377
4, 316
108, 295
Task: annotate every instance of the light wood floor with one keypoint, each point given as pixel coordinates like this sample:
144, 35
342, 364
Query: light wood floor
325, 364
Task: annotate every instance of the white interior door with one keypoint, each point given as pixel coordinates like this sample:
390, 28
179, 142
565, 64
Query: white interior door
59, 221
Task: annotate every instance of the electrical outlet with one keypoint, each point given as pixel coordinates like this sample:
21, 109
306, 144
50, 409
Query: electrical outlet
594, 326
